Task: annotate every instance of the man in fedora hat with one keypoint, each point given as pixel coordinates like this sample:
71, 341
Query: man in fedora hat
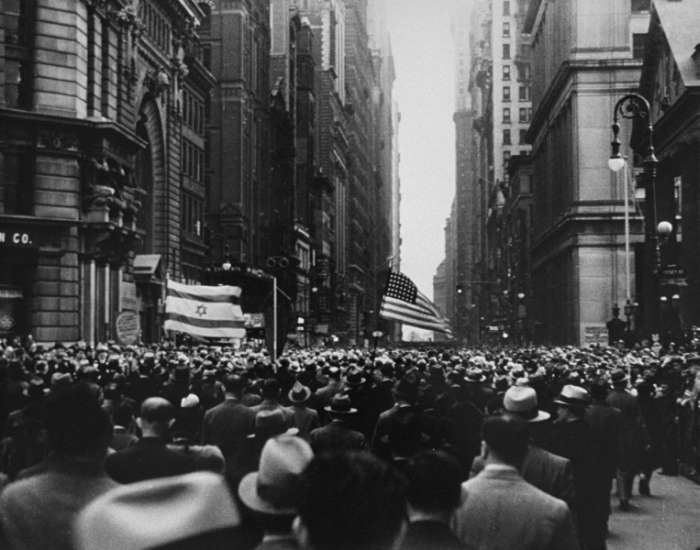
405, 395
187, 512
304, 418
632, 435
546, 471
227, 424
499, 509
338, 435
573, 438
272, 492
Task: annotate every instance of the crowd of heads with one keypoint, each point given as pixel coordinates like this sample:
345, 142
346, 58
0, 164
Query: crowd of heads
80, 403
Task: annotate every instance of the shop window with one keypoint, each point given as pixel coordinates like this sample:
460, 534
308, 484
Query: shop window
17, 183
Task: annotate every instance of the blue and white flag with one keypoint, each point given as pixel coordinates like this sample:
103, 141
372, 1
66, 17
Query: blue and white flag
206, 311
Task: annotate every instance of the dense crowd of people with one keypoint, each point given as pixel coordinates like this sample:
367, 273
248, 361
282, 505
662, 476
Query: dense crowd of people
166, 446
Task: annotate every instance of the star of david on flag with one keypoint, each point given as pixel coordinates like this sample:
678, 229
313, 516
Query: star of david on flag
207, 311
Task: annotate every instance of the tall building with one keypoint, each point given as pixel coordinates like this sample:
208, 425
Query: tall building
238, 47
583, 61
102, 133
670, 81
511, 74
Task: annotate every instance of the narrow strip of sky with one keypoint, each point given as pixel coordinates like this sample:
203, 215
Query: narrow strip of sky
425, 81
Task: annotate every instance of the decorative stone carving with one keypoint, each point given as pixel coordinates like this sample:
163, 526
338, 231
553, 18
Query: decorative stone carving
157, 82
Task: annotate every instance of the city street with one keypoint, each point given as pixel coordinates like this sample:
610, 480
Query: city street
667, 520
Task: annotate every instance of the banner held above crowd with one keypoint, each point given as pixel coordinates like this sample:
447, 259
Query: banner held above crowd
402, 301
205, 311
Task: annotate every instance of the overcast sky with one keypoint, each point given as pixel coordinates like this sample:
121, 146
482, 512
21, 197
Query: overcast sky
424, 88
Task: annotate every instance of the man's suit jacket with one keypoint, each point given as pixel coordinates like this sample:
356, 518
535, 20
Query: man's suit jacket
227, 425
336, 436
548, 472
502, 511
305, 420
149, 458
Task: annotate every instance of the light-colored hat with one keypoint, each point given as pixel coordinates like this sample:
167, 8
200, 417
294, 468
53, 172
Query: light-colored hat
521, 401
273, 489
157, 512
189, 401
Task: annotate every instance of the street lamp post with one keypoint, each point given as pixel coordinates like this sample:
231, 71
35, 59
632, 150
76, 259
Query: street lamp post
636, 107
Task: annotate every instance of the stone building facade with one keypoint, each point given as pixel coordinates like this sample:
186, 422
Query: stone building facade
670, 81
102, 116
583, 62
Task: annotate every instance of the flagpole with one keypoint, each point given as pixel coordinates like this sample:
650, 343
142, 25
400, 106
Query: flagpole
274, 318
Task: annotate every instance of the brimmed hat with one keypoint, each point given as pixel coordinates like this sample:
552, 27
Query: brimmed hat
354, 378
475, 375
341, 405
158, 512
573, 396
521, 401
299, 393
618, 376
274, 488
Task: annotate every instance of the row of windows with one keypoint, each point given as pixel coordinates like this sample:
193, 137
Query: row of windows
524, 114
523, 72
523, 93
507, 138
157, 27
193, 114
192, 214
192, 161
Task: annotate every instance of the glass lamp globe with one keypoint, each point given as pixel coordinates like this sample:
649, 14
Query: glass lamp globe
664, 229
616, 163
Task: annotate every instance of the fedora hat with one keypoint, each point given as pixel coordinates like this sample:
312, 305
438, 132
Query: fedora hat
618, 376
475, 375
341, 405
573, 396
299, 393
269, 423
158, 513
354, 377
274, 488
521, 401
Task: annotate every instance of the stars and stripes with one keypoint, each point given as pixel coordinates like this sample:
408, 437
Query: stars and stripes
206, 311
402, 301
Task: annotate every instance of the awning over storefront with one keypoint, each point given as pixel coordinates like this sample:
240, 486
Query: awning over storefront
146, 266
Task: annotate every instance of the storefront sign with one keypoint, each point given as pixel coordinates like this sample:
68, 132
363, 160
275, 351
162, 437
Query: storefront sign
127, 296
15, 238
128, 328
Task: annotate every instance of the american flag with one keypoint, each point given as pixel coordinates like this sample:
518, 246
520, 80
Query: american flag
402, 301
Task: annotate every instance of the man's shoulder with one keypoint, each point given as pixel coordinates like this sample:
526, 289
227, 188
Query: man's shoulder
538, 454
485, 483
